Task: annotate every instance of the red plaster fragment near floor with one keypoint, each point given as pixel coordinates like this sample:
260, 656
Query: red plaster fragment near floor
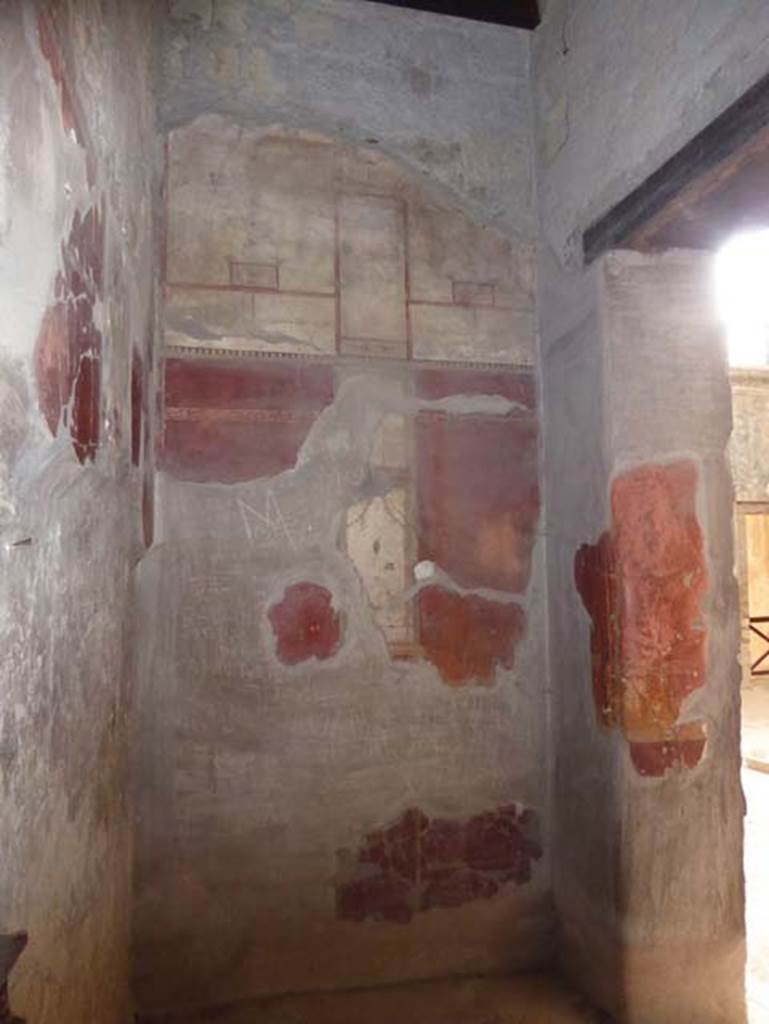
642, 584
418, 864
305, 624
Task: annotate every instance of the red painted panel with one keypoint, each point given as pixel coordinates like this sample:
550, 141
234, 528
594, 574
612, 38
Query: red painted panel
478, 486
68, 348
229, 421
442, 382
137, 410
148, 503
305, 624
148, 443
52, 364
642, 585
596, 579
466, 636
50, 47
417, 864
86, 417
684, 749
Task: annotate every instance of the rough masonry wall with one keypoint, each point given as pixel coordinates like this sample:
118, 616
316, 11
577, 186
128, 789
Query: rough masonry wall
77, 124
343, 777
620, 85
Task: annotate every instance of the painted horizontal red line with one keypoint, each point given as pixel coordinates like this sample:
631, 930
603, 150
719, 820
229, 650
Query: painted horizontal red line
212, 414
251, 289
463, 305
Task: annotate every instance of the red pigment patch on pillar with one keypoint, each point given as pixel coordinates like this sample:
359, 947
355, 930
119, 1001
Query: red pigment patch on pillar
466, 636
229, 422
68, 349
305, 624
417, 864
642, 584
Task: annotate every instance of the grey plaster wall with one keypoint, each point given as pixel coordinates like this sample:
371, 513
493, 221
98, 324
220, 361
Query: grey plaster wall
447, 96
77, 130
621, 85
635, 853
259, 779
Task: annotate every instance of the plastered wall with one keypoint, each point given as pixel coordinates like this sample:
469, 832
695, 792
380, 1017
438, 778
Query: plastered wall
343, 778
76, 304
448, 97
644, 614
619, 86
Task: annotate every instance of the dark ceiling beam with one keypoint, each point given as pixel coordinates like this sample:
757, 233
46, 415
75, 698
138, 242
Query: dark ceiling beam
516, 13
722, 138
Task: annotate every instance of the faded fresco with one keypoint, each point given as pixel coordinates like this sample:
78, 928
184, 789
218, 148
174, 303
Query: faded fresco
345, 604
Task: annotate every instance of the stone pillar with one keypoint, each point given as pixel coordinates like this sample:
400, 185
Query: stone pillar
644, 630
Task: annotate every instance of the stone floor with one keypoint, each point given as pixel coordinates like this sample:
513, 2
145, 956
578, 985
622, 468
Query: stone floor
531, 999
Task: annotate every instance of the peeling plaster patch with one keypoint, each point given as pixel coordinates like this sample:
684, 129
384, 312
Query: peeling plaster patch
642, 584
417, 864
305, 624
466, 637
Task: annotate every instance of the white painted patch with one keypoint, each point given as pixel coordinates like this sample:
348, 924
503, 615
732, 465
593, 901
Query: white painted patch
424, 571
